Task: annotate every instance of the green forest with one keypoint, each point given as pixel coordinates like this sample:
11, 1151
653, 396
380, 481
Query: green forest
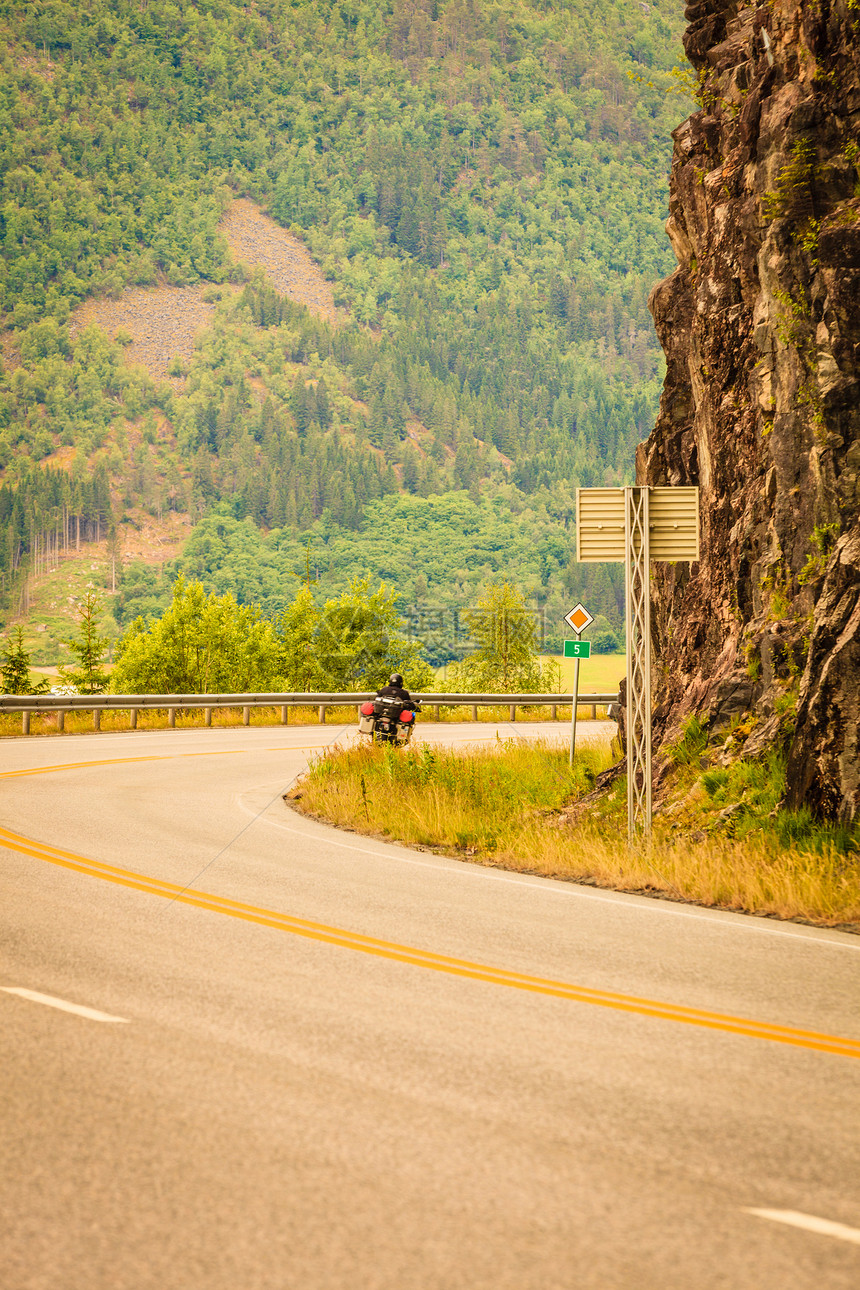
436, 553
484, 184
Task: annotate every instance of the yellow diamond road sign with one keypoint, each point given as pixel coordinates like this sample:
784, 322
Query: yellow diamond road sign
579, 618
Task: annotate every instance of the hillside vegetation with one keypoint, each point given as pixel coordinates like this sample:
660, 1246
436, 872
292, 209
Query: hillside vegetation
484, 187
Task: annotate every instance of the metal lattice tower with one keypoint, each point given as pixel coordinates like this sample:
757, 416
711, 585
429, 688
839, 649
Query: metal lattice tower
638, 597
638, 525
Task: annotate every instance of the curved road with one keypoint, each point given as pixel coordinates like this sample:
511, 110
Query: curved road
243, 1050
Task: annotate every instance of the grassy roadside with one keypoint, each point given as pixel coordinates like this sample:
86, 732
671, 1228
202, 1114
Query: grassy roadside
502, 806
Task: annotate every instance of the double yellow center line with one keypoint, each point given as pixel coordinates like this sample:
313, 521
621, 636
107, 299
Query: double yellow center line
408, 954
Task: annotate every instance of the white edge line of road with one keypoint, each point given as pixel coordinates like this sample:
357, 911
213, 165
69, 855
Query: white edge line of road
92, 1014
555, 888
549, 887
809, 1223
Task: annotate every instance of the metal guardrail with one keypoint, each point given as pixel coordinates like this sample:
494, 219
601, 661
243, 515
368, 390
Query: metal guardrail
60, 704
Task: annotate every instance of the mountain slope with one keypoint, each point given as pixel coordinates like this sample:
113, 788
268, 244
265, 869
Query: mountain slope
483, 184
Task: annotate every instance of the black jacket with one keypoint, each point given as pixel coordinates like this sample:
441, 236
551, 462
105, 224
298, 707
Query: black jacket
397, 692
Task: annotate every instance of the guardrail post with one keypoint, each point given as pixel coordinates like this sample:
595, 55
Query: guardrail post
554, 712
435, 711
25, 723
513, 712
322, 713
285, 712
97, 719
171, 717
61, 721
474, 712
208, 716
246, 715
132, 718
594, 712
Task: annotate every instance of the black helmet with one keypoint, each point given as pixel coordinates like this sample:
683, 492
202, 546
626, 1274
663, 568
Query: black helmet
395, 679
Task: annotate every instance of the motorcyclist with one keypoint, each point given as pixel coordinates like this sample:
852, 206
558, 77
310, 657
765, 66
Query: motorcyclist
394, 690
394, 696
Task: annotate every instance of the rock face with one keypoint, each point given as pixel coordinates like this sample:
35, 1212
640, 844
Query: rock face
760, 324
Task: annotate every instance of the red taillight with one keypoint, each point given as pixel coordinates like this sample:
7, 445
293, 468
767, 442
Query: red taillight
367, 709
406, 716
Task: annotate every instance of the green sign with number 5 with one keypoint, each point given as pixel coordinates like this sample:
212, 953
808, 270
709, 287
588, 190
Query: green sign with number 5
577, 649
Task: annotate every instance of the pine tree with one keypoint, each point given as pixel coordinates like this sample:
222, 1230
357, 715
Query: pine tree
299, 405
410, 470
90, 649
323, 408
15, 668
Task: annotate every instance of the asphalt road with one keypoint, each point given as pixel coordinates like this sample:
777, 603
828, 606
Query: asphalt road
327, 1063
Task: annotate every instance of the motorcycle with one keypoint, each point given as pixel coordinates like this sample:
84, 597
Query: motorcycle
387, 721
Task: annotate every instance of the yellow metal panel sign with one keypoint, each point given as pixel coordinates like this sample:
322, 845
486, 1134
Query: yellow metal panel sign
599, 524
673, 523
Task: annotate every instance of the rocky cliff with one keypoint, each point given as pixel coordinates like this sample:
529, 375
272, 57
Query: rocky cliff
760, 324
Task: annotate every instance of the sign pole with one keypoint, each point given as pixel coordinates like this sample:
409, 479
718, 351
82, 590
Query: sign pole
638, 596
577, 620
573, 709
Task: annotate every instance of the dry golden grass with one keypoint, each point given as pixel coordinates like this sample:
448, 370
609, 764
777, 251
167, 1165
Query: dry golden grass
749, 876
499, 805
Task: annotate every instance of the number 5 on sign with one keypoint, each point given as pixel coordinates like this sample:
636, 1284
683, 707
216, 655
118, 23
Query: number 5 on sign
577, 649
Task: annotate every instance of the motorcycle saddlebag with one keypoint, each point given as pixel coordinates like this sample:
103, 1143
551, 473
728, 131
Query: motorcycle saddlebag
365, 719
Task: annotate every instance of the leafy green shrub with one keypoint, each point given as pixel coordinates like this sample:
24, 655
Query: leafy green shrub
607, 642
793, 192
